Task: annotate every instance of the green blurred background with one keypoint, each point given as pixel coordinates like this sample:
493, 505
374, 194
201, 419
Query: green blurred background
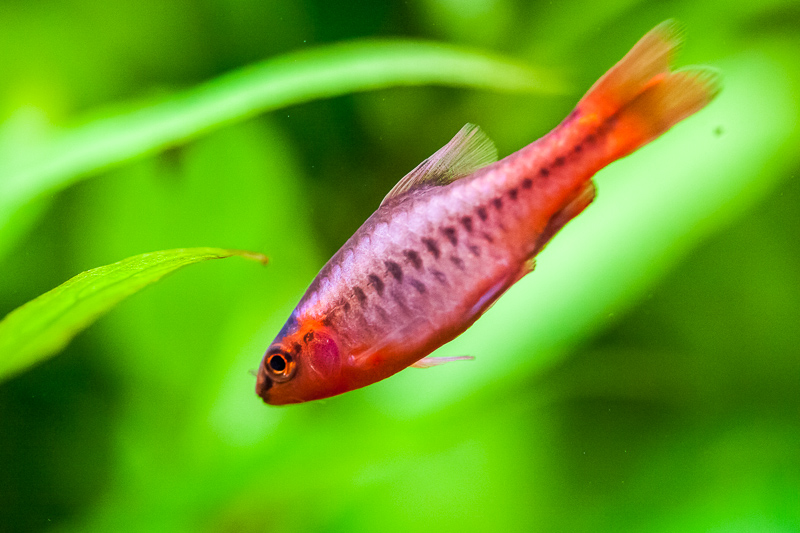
672, 406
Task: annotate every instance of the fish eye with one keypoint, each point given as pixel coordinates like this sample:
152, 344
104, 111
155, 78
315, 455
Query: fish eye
280, 366
277, 363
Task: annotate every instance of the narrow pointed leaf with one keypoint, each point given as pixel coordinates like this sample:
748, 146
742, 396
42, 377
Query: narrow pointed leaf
45, 325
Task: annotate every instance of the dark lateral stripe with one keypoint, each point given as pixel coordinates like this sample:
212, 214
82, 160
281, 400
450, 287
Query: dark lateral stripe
413, 258
376, 282
450, 233
432, 247
395, 270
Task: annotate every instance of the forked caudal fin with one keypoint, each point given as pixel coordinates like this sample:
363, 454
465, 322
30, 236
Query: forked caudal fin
641, 97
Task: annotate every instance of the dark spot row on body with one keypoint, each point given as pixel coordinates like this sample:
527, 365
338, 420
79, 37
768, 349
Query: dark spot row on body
488, 237
498, 203
482, 214
432, 247
560, 161
382, 312
395, 270
440, 276
475, 250
450, 233
417, 284
467, 223
398, 297
360, 295
376, 282
413, 258
457, 261
606, 125
513, 193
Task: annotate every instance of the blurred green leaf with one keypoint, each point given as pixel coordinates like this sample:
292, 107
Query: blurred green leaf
287, 80
43, 326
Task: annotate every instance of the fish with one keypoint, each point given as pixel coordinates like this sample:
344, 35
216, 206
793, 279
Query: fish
462, 227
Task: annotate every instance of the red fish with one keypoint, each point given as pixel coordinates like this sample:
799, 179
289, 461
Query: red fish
460, 229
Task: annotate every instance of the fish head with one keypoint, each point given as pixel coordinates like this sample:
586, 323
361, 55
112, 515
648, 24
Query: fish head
303, 363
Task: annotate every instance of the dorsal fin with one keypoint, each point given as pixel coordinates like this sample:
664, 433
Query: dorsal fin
468, 151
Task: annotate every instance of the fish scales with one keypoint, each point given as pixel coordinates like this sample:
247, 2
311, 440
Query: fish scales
426, 284
459, 230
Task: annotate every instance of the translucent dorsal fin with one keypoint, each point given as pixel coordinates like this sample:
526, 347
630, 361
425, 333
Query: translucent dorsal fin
468, 151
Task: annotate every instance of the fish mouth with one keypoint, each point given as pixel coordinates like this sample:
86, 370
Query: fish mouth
263, 384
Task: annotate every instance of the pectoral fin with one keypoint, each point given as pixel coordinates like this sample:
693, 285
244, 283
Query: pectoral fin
428, 362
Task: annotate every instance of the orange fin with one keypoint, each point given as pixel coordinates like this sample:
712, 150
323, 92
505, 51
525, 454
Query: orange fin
649, 58
670, 100
574, 207
640, 97
428, 362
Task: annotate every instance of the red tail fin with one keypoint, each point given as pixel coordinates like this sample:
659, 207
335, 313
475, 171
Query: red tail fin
642, 96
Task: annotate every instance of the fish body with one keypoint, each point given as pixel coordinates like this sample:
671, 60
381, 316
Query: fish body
459, 230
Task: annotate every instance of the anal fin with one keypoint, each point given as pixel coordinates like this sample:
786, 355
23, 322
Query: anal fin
573, 208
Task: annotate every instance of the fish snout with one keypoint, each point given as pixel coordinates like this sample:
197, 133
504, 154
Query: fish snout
263, 384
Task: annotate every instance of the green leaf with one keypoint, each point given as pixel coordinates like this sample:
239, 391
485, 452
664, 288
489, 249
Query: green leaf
45, 325
279, 82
